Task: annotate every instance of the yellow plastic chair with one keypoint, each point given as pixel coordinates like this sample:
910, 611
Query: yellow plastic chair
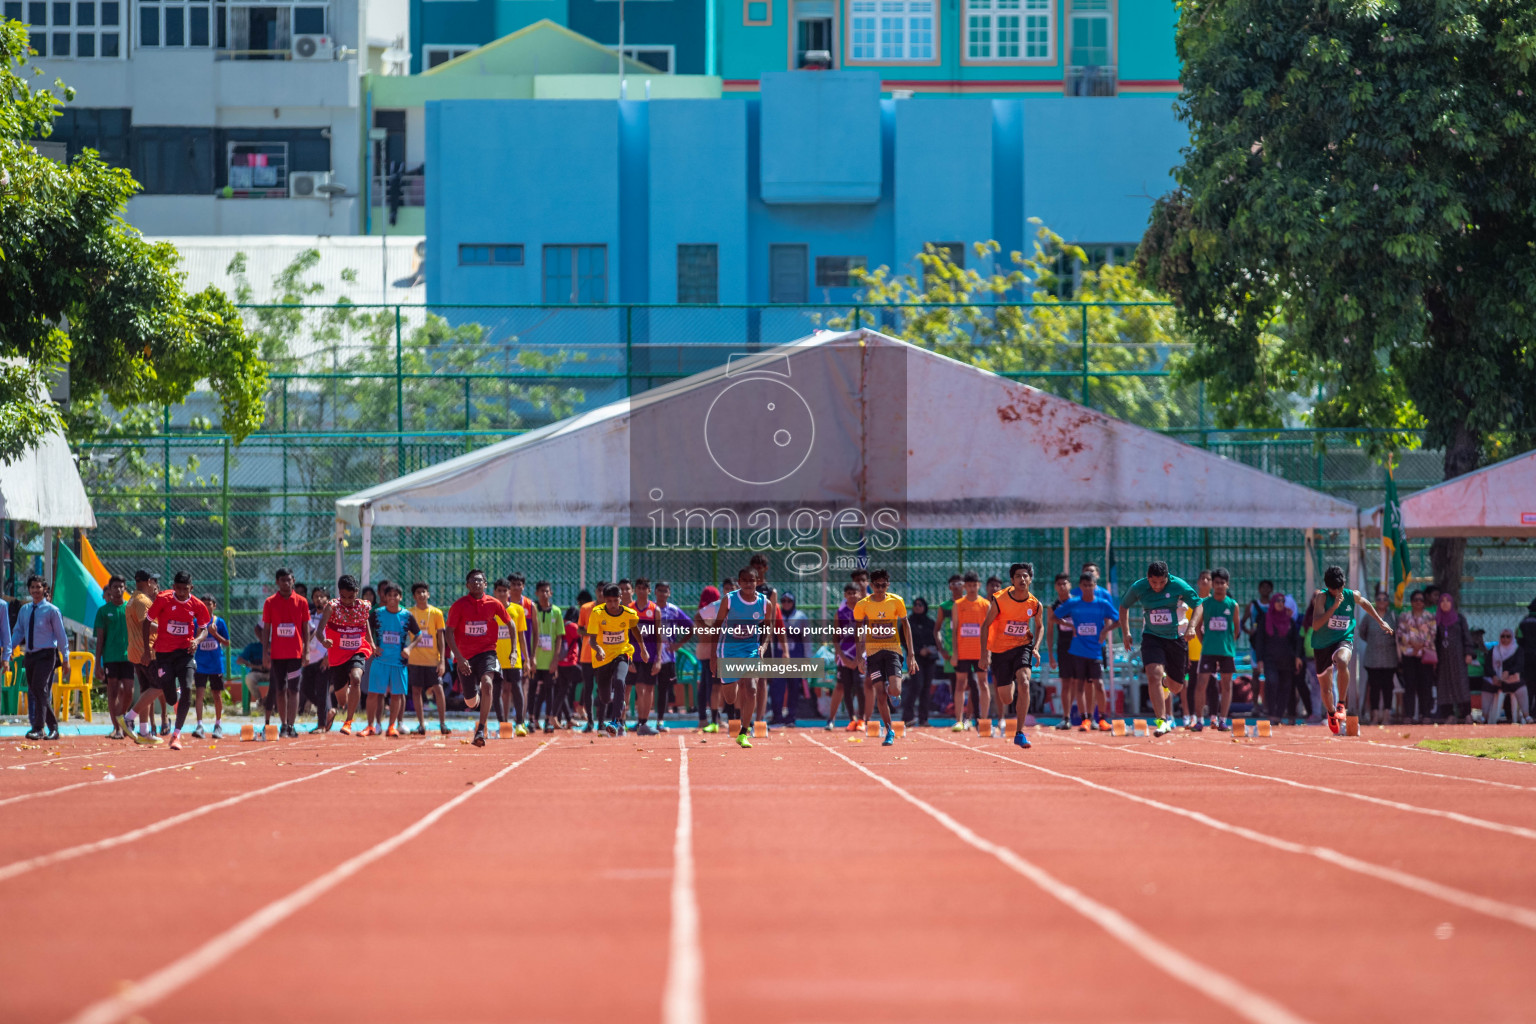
13, 699
81, 680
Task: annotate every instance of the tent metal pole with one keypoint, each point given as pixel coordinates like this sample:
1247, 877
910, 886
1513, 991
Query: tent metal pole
615, 566
1310, 544
367, 547
1066, 549
583, 567
340, 543
1356, 561
48, 555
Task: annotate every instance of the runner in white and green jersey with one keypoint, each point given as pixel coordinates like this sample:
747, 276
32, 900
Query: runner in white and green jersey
1163, 652
1215, 623
1333, 640
551, 633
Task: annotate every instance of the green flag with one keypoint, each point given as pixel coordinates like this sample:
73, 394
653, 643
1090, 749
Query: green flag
78, 596
1394, 540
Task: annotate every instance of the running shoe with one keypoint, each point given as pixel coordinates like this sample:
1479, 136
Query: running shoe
420, 730
446, 731
1333, 724
854, 725
1161, 727
117, 734
644, 729
549, 726
147, 739
218, 730
165, 728
521, 730
176, 740
611, 729
715, 727
129, 720
479, 740
1020, 740
34, 734
1063, 724
661, 727
1221, 725
959, 725
392, 733
53, 734
346, 728
890, 738
742, 741
1104, 725
1082, 726
591, 726
1197, 727
198, 733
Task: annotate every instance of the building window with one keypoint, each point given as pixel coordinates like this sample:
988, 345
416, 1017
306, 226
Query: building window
1090, 50
1066, 277
1008, 30
258, 169
179, 25
954, 250
837, 271
83, 29
787, 273
433, 56
658, 57
575, 274
757, 12
890, 30
490, 255
815, 33
698, 273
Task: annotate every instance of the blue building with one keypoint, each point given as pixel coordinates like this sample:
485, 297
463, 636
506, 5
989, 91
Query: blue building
773, 196
960, 47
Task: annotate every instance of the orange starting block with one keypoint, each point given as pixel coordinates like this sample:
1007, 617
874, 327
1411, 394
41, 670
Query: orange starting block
1139, 727
1010, 726
872, 727
900, 727
759, 730
247, 733
271, 733
984, 727
732, 727
1117, 727
505, 732
1352, 725
1239, 728
1263, 729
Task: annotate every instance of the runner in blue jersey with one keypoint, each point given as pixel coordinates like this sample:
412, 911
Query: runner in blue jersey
741, 625
1092, 616
396, 628
208, 670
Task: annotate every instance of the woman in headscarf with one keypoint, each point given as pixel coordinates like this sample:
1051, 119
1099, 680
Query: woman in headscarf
1277, 647
919, 683
704, 650
1508, 663
1380, 662
1453, 644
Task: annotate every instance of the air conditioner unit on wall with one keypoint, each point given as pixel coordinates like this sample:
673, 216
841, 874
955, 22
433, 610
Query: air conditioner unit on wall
306, 184
313, 48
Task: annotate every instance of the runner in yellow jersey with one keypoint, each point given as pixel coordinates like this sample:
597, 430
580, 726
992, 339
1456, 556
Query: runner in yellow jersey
424, 666
615, 634
883, 633
512, 653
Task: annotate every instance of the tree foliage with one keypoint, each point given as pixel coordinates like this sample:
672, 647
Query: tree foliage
1356, 213
84, 290
966, 314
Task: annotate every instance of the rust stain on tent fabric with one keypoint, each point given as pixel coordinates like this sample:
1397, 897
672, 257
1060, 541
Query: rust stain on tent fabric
1060, 434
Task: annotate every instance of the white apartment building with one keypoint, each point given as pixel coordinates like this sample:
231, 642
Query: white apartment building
236, 118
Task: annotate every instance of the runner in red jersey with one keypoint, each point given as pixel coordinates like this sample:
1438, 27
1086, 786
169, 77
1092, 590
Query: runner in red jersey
284, 637
348, 640
177, 621
471, 637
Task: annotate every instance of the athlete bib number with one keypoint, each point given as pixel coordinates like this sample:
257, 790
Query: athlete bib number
546, 642
389, 638
178, 629
208, 645
1338, 622
970, 629
503, 631
287, 630
1016, 629
612, 638
1218, 624
351, 643
1160, 617
424, 638
1088, 629
474, 629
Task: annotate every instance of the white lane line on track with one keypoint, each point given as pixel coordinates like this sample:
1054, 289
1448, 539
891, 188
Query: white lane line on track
1396, 805
1376, 764
1510, 912
683, 1000
1241, 1000
22, 867
226, 944
123, 778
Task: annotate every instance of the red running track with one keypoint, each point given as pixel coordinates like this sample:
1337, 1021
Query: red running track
949, 878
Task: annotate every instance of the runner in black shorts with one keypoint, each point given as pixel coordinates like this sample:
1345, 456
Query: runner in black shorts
1061, 629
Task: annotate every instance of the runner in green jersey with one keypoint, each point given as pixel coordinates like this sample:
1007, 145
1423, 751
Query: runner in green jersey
547, 651
1163, 653
1333, 640
1215, 623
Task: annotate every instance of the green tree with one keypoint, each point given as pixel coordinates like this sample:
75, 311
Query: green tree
965, 314
1356, 214
84, 290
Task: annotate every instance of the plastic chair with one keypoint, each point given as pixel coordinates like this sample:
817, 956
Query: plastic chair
81, 680
13, 695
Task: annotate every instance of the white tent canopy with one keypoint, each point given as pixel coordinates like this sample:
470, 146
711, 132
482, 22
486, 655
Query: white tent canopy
1495, 501
44, 487
980, 451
